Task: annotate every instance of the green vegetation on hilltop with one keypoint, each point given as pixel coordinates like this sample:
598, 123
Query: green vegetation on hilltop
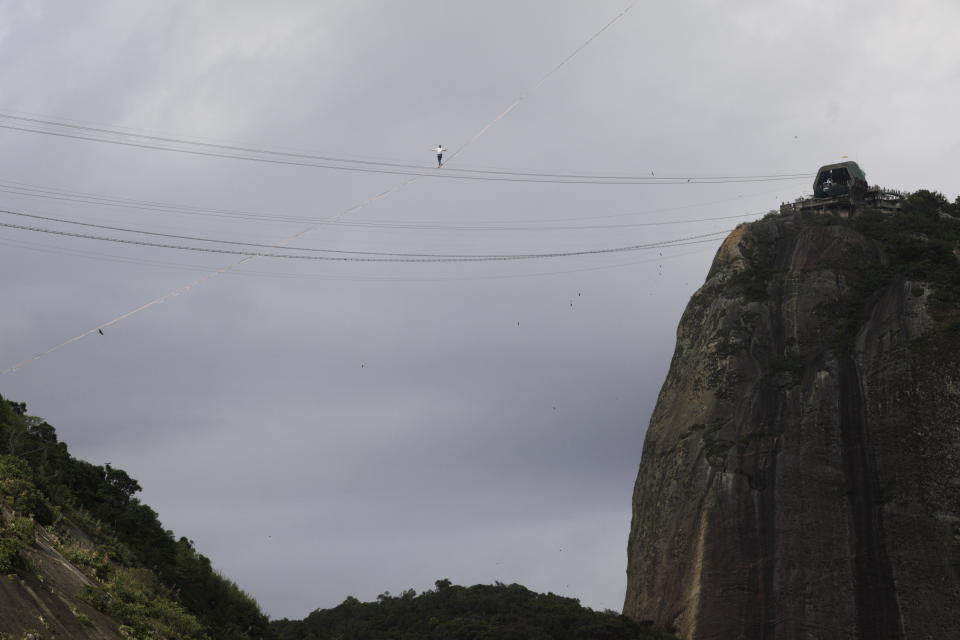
157, 585
480, 612
920, 243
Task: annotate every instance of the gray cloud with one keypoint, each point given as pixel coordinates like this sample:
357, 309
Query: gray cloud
322, 430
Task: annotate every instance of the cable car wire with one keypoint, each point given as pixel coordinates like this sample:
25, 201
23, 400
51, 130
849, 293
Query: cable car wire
143, 141
51, 193
213, 274
107, 257
406, 226
377, 257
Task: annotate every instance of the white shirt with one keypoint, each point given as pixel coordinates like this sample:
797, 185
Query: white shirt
439, 150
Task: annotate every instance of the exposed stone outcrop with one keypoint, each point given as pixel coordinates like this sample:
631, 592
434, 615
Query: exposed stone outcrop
44, 600
801, 472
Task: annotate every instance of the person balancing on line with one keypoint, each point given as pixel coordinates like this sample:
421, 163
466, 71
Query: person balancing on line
439, 151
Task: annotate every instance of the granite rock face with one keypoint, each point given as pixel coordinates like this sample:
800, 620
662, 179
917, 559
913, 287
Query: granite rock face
801, 472
46, 600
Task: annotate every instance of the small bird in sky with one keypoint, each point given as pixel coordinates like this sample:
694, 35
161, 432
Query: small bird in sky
101, 331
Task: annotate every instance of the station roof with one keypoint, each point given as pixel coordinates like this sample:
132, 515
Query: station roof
855, 171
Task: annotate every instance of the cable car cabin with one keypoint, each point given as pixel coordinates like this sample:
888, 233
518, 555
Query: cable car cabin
841, 189
841, 179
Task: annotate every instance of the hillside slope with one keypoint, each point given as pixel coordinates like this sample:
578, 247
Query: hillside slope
83, 558
480, 612
801, 472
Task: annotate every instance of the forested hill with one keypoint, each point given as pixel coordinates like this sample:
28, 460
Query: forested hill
86, 559
480, 612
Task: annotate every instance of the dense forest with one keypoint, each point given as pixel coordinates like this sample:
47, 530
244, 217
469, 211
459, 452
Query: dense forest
480, 612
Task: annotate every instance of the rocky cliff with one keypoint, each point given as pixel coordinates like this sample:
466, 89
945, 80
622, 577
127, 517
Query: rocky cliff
801, 472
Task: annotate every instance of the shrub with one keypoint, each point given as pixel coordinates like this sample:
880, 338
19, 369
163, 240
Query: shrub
140, 602
24, 530
9, 554
89, 558
16, 485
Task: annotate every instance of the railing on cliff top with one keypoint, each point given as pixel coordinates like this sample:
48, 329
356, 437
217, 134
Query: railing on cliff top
875, 196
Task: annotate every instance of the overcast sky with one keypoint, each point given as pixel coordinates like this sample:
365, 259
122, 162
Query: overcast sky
324, 429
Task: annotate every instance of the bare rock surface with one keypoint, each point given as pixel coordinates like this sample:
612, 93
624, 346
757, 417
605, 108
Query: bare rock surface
800, 477
44, 600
